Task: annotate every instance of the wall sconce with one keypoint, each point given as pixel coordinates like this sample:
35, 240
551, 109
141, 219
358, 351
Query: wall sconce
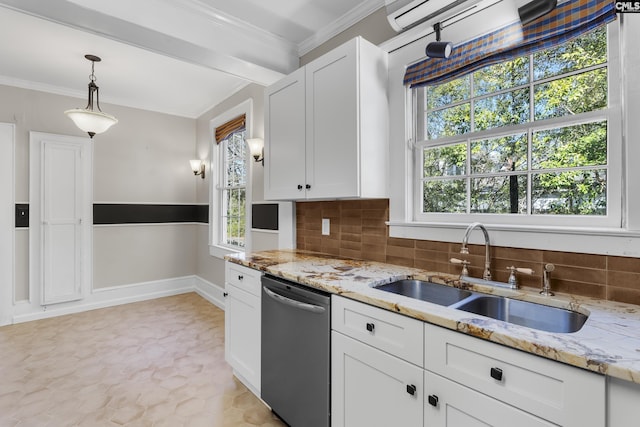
535, 9
197, 166
438, 49
90, 120
256, 147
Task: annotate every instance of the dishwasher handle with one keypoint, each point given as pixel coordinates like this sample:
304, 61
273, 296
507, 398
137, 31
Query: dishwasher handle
293, 303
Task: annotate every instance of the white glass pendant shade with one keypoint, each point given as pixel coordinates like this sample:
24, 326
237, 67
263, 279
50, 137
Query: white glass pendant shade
91, 121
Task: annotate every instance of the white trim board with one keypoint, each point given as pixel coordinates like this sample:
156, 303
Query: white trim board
118, 295
7, 228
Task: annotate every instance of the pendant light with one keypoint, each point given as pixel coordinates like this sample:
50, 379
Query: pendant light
90, 120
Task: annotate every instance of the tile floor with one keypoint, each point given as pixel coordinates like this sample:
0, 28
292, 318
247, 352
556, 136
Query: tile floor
153, 363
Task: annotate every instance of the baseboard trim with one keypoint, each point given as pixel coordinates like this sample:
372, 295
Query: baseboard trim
126, 294
210, 291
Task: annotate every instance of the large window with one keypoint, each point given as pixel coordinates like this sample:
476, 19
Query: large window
526, 138
232, 190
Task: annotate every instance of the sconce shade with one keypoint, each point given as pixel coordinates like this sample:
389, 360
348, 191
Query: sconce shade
87, 119
439, 49
255, 146
535, 9
197, 166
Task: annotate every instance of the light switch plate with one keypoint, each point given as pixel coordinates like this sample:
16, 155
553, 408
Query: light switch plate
326, 226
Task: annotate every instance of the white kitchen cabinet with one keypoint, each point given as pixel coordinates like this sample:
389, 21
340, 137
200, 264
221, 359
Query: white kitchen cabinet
372, 383
561, 394
372, 388
449, 404
326, 127
242, 324
623, 398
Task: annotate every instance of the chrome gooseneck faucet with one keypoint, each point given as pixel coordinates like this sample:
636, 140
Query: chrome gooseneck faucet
487, 246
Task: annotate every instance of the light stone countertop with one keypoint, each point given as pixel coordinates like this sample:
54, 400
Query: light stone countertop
608, 343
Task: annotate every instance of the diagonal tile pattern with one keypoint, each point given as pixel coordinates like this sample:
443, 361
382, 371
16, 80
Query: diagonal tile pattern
154, 363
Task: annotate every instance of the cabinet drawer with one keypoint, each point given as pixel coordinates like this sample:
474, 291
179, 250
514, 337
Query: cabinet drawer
242, 277
394, 333
559, 393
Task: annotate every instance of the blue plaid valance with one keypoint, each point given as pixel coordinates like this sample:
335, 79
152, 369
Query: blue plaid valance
567, 21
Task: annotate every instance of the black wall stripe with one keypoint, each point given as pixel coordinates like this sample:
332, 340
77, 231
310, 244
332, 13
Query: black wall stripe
111, 213
264, 216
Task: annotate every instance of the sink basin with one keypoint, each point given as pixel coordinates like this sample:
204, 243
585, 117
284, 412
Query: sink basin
426, 291
531, 315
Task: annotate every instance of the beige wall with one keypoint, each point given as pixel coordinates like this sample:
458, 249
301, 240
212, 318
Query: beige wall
208, 267
374, 28
142, 159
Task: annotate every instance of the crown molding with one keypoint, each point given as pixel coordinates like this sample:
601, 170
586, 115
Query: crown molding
347, 20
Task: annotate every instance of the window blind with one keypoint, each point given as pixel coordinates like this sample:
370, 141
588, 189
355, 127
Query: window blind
565, 22
233, 125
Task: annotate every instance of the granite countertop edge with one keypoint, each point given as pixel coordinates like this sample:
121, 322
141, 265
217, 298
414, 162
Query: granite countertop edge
608, 343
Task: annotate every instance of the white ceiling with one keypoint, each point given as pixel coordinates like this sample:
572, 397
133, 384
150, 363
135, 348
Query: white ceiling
179, 57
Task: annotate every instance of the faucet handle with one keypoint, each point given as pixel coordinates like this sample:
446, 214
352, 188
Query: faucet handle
513, 280
464, 262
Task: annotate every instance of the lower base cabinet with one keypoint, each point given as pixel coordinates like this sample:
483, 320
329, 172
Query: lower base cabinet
449, 404
372, 388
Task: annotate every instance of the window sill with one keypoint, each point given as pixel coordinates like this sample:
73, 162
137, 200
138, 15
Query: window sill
602, 241
221, 251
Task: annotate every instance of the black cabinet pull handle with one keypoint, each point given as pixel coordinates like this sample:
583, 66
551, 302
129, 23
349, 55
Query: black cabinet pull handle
308, 187
411, 389
496, 374
299, 187
433, 400
240, 277
224, 294
370, 327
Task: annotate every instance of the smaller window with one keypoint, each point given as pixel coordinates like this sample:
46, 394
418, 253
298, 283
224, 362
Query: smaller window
233, 190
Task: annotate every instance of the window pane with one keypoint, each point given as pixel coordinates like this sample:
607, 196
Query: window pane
570, 193
448, 93
448, 122
235, 161
508, 153
584, 51
235, 218
446, 195
571, 95
510, 108
445, 161
572, 146
499, 194
501, 76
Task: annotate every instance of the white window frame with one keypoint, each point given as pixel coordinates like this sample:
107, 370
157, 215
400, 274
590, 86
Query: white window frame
623, 240
216, 247
613, 167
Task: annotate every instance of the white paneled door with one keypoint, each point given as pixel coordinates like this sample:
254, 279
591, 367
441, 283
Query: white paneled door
61, 231
7, 203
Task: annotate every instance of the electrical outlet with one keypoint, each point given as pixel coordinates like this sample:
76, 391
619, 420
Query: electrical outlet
326, 226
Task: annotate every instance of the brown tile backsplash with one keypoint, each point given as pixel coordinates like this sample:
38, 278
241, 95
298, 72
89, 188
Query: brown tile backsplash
358, 230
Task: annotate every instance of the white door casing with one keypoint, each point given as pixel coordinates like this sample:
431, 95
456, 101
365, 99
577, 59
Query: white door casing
7, 232
61, 183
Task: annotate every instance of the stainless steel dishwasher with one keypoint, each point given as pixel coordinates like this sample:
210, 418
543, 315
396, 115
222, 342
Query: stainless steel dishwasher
296, 327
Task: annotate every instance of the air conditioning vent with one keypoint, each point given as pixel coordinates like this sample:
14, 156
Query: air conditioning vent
403, 14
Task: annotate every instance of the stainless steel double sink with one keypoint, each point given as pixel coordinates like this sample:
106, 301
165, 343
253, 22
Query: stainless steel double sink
523, 313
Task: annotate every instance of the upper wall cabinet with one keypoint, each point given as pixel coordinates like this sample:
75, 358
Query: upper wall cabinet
326, 127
